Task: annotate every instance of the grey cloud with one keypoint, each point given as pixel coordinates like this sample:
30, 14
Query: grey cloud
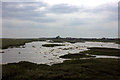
111, 9
63, 8
112, 12
77, 22
18, 6
25, 12
102, 8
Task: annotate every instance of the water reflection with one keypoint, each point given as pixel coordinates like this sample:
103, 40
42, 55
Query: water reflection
34, 52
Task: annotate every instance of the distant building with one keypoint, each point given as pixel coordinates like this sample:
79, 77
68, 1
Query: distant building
103, 38
58, 37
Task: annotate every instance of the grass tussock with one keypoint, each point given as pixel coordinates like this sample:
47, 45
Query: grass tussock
52, 45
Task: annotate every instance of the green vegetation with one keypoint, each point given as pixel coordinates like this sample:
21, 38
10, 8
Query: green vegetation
94, 51
85, 69
76, 56
65, 40
2, 52
6, 43
103, 51
115, 40
72, 41
118, 42
57, 41
12, 42
52, 45
62, 41
75, 40
74, 69
33, 46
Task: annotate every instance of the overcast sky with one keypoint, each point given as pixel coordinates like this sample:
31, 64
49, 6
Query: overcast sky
66, 18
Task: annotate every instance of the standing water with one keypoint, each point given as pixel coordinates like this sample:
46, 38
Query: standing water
36, 53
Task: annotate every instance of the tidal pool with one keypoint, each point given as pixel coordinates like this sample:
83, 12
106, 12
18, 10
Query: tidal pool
36, 53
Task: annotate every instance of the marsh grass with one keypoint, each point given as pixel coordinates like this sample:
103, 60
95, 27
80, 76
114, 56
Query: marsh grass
103, 51
6, 43
12, 42
52, 45
74, 69
58, 41
85, 69
77, 55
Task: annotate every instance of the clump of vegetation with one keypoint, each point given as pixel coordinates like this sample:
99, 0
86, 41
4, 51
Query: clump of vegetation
57, 41
52, 45
72, 41
67, 48
118, 42
33, 46
2, 52
76, 56
23, 46
103, 51
19, 52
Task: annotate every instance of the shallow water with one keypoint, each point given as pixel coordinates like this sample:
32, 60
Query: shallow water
102, 56
34, 52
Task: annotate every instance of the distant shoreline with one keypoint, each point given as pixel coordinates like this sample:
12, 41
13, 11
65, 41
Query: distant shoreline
13, 42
